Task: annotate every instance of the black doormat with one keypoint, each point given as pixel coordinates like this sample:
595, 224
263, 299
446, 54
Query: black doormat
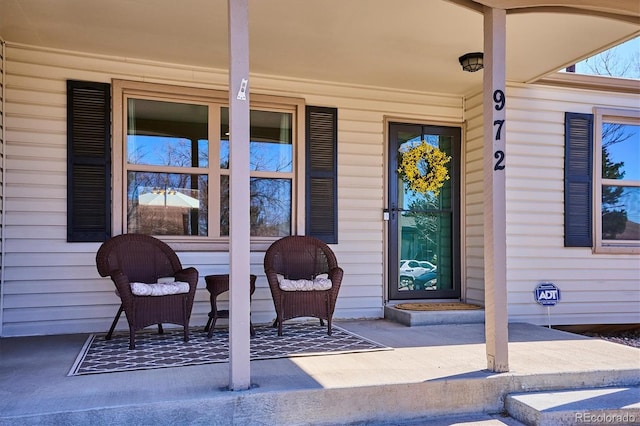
155, 350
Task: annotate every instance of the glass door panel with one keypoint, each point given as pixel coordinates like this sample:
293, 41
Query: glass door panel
423, 227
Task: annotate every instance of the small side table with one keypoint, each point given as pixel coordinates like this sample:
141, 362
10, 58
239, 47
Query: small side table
216, 285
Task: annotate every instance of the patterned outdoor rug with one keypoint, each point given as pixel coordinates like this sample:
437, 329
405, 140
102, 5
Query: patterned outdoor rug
155, 350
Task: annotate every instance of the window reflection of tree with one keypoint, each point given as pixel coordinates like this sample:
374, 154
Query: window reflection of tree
169, 143
263, 157
270, 207
426, 223
157, 220
614, 214
270, 197
269, 210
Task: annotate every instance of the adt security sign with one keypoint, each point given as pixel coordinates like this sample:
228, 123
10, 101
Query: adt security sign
547, 294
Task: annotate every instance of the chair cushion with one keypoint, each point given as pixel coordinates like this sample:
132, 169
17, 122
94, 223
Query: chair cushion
321, 282
159, 289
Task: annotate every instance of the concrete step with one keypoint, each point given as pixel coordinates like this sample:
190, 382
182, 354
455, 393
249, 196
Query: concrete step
615, 405
416, 318
475, 419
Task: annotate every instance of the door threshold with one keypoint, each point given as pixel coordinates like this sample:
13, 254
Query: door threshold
433, 317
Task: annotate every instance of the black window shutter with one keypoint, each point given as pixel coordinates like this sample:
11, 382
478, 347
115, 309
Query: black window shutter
578, 180
322, 173
88, 161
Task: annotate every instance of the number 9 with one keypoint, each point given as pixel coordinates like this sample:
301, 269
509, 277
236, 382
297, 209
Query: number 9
498, 98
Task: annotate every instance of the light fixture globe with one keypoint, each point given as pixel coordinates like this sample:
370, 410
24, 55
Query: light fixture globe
472, 62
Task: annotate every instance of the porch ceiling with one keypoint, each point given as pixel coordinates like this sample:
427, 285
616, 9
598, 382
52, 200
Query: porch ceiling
410, 44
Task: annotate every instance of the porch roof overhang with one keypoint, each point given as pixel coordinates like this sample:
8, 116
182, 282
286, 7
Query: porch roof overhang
411, 45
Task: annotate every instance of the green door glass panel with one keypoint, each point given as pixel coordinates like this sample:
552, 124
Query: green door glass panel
424, 227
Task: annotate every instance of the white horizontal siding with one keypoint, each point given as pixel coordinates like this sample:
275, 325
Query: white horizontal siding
52, 286
594, 288
473, 248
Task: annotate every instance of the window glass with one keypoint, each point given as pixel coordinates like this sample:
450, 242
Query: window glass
620, 181
166, 169
425, 226
270, 208
620, 151
620, 213
167, 133
166, 203
270, 148
164, 134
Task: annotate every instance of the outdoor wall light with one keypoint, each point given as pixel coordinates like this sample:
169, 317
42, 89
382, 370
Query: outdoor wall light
472, 62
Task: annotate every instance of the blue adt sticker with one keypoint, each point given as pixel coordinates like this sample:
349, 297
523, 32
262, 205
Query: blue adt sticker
547, 294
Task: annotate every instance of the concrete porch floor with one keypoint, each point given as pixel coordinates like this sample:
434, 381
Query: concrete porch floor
433, 372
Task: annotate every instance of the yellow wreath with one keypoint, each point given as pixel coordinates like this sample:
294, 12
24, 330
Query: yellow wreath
412, 164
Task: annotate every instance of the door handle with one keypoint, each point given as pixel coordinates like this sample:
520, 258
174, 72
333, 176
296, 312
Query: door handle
392, 211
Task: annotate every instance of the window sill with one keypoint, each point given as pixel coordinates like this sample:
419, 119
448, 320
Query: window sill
617, 249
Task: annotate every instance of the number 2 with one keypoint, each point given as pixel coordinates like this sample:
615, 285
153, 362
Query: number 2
499, 155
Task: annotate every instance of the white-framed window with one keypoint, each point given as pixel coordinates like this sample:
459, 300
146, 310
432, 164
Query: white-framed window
616, 178
171, 164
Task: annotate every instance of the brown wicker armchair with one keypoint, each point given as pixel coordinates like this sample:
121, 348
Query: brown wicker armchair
302, 258
137, 258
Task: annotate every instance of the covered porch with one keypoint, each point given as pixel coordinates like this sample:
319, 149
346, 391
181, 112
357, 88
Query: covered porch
377, 62
431, 374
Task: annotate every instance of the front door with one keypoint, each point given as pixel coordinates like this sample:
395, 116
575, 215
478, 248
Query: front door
424, 228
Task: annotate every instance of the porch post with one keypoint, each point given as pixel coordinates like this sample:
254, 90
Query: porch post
239, 237
495, 238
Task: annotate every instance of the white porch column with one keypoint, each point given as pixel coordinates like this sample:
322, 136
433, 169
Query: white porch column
239, 237
495, 237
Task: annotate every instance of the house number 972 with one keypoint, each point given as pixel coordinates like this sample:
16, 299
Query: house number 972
499, 100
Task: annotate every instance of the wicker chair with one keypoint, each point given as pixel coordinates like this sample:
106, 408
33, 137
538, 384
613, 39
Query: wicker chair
302, 258
137, 258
